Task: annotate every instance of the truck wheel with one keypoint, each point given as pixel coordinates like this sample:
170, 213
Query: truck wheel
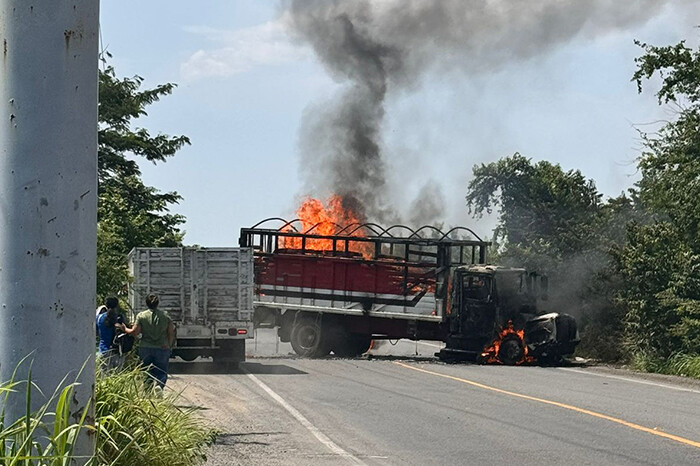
307, 339
511, 350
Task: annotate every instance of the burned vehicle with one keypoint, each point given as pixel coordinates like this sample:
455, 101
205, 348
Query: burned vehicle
496, 316
337, 291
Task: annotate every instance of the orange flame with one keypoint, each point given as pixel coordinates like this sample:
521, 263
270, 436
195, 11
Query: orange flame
327, 220
490, 355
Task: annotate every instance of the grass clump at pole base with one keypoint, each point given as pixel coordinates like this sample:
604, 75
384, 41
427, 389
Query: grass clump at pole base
134, 424
43, 437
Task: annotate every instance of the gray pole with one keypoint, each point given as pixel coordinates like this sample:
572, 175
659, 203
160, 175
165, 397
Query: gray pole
48, 194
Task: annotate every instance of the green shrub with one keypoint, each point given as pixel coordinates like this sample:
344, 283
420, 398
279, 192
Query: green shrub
135, 424
139, 424
686, 365
29, 441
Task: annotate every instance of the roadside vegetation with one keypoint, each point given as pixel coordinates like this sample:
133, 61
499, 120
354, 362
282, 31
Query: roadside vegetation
138, 425
677, 364
133, 425
130, 213
627, 267
30, 440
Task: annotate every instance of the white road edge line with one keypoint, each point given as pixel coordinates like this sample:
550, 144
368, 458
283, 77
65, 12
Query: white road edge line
627, 379
323, 438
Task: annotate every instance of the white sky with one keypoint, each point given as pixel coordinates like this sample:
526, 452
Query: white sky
243, 88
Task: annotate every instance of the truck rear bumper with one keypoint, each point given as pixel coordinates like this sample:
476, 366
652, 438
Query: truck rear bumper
217, 331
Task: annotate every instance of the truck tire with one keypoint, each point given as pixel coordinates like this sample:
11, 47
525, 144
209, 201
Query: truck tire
511, 350
307, 338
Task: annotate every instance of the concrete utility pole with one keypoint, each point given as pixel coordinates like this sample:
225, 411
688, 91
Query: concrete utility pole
48, 194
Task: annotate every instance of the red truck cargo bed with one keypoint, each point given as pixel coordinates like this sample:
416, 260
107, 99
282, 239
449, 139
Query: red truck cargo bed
347, 285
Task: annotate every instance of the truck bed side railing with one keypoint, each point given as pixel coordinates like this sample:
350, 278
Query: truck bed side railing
458, 246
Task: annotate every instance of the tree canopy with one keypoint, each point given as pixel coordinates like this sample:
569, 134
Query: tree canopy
670, 163
130, 213
546, 214
660, 264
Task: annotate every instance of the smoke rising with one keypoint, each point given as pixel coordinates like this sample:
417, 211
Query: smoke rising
379, 47
428, 208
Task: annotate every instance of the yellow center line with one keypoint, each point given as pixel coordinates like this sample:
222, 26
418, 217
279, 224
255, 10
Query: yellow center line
631, 425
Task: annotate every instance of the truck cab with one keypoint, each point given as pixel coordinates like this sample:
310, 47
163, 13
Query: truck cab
485, 300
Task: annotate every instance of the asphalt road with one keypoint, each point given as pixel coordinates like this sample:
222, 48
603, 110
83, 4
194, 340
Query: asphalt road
399, 407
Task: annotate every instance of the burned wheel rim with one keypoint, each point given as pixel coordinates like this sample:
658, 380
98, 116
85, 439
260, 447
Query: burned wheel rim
511, 350
307, 337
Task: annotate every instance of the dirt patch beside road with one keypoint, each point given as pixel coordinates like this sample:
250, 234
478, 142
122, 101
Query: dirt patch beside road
253, 429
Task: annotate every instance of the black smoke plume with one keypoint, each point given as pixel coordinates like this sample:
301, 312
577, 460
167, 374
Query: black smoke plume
379, 47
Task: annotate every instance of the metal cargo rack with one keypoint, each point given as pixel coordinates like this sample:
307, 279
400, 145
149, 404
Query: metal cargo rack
397, 242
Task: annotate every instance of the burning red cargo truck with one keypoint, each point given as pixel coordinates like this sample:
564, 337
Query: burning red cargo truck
336, 288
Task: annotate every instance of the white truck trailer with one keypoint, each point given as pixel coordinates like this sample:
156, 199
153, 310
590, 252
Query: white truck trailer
208, 292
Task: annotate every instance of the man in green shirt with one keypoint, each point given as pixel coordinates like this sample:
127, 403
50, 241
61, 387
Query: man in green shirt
157, 337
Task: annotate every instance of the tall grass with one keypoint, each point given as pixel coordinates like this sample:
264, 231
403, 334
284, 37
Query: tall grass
135, 425
686, 365
138, 424
41, 437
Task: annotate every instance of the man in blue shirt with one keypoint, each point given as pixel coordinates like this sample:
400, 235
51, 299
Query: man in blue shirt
106, 323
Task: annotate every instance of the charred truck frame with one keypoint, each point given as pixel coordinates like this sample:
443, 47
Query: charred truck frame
338, 292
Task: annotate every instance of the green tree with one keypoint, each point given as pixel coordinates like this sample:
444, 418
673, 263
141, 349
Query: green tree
129, 212
660, 286
546, 215
660, 265
670, 163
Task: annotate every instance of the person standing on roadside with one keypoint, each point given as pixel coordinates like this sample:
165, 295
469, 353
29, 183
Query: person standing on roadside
157, 337
107, 322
